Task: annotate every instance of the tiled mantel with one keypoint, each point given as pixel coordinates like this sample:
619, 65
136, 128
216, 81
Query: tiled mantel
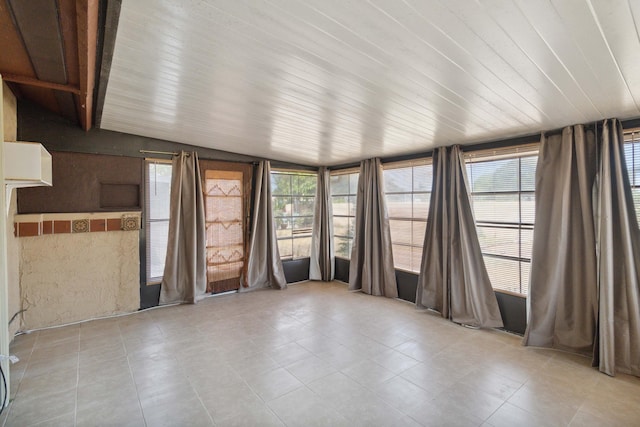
30, 225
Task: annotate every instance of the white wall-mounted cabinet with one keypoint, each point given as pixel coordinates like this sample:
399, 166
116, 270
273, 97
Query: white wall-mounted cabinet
27, 164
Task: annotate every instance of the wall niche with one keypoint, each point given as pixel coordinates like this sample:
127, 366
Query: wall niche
87, 183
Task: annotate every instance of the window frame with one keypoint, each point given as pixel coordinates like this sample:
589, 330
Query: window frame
507, 153
350, 172
152, 280
290, 218
212, 173
632, 138
423, 161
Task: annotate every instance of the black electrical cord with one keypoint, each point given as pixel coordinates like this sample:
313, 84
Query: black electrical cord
5, 393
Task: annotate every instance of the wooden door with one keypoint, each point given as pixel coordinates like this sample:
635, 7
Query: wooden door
226, 193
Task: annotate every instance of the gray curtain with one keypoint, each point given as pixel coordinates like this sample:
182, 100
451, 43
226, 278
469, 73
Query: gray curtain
371, 268
619, 260
453, 278
264, 268
563, 284
185, 271
322, 256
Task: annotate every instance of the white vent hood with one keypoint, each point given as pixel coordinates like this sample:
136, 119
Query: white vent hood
26, 164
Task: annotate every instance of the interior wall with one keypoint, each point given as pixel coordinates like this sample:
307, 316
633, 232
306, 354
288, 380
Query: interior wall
10, 130
62, 278
342, 269
5, 338
78, 276
13, 271
9, 114
296, 270
58, 134
87, 183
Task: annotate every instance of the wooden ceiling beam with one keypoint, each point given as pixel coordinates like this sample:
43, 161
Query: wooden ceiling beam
15, 88
30, 81
87, 27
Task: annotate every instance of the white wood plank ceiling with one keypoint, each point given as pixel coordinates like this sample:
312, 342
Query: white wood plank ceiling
326, 82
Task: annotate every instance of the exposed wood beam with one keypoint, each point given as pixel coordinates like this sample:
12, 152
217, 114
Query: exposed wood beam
30, 81
15, 88
87, 25
38, 23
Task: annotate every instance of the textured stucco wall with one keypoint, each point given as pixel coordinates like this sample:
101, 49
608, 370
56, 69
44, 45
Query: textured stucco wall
13, 270
10, 114
78, 276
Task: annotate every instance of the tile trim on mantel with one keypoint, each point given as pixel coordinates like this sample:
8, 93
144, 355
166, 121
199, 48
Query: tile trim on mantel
31, 225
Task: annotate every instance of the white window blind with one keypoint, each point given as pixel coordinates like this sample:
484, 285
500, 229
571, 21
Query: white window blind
502, 186
632, 158
408, 194
157, 200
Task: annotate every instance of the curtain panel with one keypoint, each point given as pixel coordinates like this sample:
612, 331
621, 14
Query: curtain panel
585, 281
563, 279
453, 278
321, 266
371, 267
185, 272
618, 238
264, 267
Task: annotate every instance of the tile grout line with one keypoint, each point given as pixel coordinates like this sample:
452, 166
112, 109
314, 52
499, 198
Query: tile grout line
75, 411
266, 404
260, 340
201, 401
135, 384
10, 406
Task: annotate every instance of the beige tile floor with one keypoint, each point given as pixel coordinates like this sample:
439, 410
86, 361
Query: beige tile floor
314, 354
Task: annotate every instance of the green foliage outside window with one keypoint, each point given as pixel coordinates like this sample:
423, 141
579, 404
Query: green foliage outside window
293, 200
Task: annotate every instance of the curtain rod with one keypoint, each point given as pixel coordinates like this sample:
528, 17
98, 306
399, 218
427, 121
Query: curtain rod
168, 153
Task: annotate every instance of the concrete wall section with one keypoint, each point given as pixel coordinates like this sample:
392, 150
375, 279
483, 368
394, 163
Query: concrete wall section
78, 276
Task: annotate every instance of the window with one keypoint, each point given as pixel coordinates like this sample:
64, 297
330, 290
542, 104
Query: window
408, 194
157, 198
293, 197
632, 157
502, 185
344, 189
